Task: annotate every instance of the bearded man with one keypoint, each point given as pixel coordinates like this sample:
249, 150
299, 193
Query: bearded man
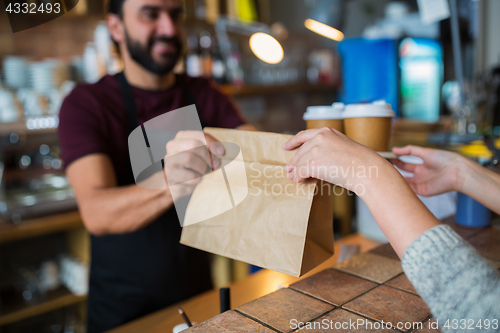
137, 264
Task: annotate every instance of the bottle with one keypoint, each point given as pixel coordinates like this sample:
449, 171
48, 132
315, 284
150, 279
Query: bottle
206, 54
193, 63
200, 9
235, 72
218, 68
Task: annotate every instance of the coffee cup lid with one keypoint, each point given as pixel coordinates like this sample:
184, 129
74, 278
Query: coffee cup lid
334, 111
375, 109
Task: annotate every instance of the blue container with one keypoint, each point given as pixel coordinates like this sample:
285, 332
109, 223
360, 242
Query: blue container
369, 71
471, 213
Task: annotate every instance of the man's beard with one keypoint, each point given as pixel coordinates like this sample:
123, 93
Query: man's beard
142, 54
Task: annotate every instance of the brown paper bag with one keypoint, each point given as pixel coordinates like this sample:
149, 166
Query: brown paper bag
278, 225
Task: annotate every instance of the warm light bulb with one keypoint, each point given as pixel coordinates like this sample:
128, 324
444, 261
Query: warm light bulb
266, 48
324, 30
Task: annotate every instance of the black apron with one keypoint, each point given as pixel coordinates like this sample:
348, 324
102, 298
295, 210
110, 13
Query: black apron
134, 274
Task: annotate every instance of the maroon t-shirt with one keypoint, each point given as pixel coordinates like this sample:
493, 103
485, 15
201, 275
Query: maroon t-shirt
137, 273
93, 117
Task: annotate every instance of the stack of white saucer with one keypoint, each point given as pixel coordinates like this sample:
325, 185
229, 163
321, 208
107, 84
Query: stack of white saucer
48, 74
15, 71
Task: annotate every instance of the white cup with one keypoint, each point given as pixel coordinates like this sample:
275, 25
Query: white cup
325, 116
181, 327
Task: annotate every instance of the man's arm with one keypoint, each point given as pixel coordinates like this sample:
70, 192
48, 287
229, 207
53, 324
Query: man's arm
108, 209
246, 127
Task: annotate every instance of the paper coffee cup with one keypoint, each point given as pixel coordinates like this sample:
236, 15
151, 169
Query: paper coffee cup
181, 327
369, 124
325, 116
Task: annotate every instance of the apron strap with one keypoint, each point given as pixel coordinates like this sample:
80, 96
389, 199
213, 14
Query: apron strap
128, 100
131, 109
190, 98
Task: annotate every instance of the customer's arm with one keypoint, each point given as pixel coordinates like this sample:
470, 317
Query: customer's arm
450, 276
331, 156
461, 289
444, 171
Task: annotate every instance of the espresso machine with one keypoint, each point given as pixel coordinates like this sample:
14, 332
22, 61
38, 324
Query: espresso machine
32, 180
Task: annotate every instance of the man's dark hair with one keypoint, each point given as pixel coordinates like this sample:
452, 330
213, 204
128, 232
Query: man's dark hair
116, 7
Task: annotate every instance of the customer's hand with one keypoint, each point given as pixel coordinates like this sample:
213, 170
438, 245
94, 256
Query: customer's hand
439, 173
329, 155
188, 159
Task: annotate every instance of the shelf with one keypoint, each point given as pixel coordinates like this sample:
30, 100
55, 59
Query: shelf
20, 126
234, 90
408, 125
54, 300
39, 226
30, 173
248, 90
412, 132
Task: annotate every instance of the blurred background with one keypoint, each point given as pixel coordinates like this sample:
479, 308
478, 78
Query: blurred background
443, 83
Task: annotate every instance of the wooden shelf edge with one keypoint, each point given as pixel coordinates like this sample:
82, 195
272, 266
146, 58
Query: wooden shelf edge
20, 126
248, 90
39, 226
38, 309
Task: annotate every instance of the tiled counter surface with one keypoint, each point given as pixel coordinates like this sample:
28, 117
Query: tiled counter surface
205, 306
370, 287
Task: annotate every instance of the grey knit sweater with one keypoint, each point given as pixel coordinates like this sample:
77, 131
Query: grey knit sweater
454, 281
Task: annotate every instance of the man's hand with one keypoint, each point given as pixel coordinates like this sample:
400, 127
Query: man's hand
188, 159
440, 172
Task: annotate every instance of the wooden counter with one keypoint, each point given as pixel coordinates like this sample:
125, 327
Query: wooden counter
206, 305
370, 287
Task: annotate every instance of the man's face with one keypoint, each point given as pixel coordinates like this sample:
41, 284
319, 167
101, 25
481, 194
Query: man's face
153, 33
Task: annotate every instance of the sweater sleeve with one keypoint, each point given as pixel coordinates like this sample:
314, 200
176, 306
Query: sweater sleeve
454, 281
